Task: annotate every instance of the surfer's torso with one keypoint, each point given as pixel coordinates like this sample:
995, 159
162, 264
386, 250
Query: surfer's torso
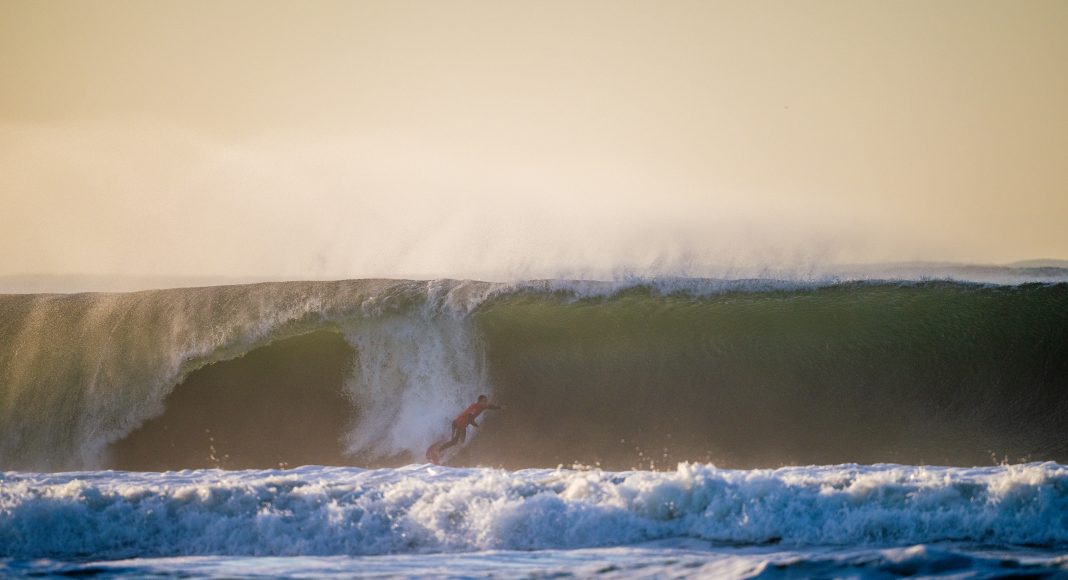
468, 416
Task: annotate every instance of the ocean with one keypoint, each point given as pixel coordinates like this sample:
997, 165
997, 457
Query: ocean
669, 427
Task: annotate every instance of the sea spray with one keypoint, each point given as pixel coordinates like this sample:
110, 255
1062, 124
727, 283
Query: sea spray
414, 370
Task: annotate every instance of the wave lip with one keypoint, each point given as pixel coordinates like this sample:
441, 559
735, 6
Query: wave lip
320, 511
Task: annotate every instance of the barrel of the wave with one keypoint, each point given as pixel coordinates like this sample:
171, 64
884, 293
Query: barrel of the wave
135, 381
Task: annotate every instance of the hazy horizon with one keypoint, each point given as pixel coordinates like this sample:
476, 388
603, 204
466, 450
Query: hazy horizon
1041, 270
328, 140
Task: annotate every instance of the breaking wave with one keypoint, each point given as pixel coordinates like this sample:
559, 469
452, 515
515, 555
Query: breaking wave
642, 373
335, 511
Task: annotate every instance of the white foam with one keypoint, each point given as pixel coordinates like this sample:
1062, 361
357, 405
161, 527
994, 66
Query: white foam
421, 509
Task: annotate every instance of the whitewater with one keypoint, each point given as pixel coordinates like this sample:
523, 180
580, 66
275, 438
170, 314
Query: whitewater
420, 519
769, 427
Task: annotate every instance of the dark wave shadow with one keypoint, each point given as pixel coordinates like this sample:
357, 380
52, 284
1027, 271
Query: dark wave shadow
279, 405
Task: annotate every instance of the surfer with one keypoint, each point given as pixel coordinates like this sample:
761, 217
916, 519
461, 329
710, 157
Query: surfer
459, 426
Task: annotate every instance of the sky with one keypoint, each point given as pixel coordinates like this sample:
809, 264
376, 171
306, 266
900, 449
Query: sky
505, 139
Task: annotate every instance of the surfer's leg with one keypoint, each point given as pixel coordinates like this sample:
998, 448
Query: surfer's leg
458, 435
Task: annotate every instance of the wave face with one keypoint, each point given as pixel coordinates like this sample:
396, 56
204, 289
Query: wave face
368, 372
334, 511
934, 373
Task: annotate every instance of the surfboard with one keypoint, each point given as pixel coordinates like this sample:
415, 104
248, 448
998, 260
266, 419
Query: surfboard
433, 453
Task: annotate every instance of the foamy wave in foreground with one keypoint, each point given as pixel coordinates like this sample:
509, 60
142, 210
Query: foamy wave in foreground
420, 509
